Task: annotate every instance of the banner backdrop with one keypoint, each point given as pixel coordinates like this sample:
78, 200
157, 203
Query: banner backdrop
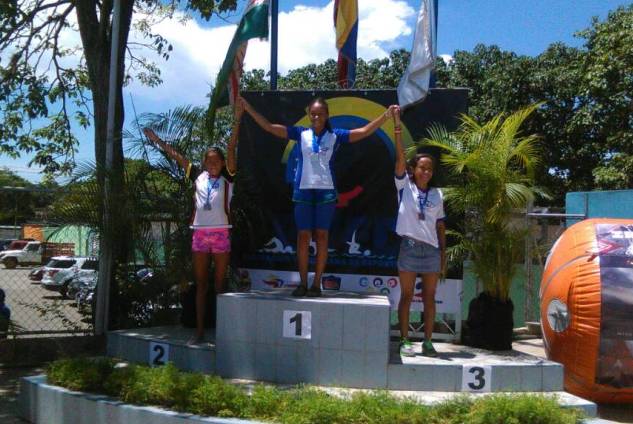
362, 238
447, 297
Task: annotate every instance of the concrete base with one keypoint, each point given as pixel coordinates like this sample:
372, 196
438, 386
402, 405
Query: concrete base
134, 346
344, 339
46, 404
511, 371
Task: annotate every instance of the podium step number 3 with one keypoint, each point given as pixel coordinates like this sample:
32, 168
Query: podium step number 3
158, 354
297, 324
476, 378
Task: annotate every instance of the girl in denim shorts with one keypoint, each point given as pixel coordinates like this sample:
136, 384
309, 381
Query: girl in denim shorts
210, 221
314, 194
422, 249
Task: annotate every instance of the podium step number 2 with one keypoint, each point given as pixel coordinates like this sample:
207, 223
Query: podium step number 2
158, 354
297, 324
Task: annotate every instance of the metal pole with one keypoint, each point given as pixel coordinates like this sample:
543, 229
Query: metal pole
105, 248
529, 301
274, 11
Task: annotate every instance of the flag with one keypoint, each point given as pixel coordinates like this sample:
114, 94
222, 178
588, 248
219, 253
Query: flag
254, 24
346, 25
414, 85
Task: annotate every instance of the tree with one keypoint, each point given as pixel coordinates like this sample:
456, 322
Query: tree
493, 165
374, 74
20, 199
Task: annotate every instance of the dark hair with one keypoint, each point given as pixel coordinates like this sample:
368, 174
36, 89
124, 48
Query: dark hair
413, 162
2, 296
321, 101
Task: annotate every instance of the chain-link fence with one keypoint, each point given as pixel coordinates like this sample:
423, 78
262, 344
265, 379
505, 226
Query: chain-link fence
45, 269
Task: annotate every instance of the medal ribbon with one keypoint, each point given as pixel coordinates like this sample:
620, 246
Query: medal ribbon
316, 141
421, 202
210, 187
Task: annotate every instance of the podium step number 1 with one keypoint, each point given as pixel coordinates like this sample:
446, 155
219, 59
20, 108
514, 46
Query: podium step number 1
158, 353
297, 324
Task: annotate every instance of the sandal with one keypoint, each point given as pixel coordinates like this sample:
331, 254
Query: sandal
300, 291
314, 291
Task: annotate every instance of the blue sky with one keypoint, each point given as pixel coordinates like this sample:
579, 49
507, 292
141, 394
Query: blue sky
525, 27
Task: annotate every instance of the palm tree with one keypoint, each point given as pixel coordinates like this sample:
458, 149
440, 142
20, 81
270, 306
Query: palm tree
492, 166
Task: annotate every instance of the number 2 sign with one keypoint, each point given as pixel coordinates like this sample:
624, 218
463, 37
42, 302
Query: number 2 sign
297, 324
158, 353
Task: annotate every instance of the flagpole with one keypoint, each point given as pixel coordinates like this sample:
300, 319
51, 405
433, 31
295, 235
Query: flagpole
274, 11
433, 81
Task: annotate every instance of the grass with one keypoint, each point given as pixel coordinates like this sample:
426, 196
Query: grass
210, 395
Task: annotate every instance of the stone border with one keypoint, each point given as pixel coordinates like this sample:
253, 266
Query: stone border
40, 402
43, 403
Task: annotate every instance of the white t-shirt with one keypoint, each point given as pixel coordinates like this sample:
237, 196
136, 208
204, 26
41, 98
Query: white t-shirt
409, 223
314, 168
210, 191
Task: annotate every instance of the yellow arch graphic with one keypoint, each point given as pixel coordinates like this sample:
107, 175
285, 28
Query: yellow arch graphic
354, 106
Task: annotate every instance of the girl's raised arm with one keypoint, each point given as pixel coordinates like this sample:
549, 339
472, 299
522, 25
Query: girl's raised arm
358, 134
401, 162
171, 152
231, 161
275, 129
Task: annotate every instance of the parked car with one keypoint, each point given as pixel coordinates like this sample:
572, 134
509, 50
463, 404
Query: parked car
78, 284
36, 273
34, 253
60, 270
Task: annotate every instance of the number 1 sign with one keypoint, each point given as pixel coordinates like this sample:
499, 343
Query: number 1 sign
297, 324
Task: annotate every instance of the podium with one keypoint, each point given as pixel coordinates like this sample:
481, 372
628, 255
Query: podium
339, 339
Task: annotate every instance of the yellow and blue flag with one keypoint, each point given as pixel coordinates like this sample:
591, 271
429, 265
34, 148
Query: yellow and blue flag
346, 25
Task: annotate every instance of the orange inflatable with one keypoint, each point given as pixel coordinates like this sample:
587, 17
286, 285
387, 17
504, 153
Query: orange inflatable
587, 308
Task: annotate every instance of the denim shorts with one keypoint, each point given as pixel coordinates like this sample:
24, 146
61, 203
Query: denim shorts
417, 256
314, 217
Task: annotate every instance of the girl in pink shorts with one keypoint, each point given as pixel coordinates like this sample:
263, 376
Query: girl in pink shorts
210, 220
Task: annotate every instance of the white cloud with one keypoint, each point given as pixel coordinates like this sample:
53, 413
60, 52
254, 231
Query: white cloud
306, 35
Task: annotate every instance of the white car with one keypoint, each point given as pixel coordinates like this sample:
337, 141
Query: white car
61, 269
30, 254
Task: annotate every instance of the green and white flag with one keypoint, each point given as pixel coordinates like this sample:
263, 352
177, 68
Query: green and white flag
254, 24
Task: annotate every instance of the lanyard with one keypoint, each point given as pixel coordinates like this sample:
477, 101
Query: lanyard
421, 202
316, 141
210, 187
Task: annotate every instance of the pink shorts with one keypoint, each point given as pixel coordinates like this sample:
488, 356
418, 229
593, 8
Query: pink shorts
211, 240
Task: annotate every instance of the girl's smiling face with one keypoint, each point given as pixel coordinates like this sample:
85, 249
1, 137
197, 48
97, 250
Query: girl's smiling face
213, 163
319, 115
423, 172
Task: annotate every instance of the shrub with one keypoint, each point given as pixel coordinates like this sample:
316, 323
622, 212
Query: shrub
81, 374
215, 397
521, 409
210, 395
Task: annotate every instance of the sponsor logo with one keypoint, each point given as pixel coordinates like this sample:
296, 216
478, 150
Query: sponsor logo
385, 291
392, 282
363, 282
273, 282
331, 282
378, 282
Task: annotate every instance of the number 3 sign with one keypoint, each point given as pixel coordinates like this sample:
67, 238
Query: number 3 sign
297, 324
476, 378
